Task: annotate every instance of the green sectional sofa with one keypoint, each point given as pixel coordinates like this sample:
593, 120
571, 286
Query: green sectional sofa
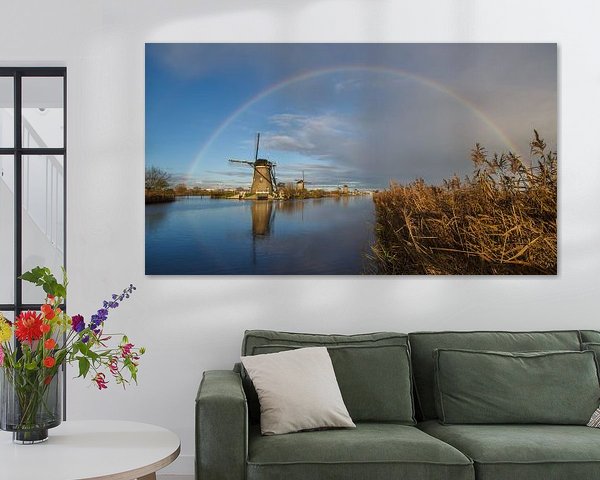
459, 429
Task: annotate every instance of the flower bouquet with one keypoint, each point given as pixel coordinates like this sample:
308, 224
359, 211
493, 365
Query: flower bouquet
30, 368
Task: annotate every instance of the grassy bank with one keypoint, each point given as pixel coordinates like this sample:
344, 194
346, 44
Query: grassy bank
499, 220
159, 196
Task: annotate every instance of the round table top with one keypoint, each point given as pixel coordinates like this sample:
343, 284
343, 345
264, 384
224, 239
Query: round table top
97, 449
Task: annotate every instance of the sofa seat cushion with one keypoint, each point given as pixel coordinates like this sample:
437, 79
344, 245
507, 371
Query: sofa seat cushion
525, 452
369, 451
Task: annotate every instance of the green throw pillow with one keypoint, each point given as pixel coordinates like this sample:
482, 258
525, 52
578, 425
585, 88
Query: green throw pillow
481, 387
375, 381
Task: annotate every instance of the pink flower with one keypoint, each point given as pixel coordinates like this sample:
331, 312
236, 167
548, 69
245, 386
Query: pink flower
100, 380
113, 366
126, 349
1, 356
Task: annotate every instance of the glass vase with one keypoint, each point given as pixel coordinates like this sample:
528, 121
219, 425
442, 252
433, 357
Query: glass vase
30, 403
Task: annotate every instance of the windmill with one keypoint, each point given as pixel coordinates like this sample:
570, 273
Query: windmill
300, 182
264, 183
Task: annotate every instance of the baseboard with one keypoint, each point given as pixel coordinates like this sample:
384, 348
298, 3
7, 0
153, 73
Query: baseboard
181, 469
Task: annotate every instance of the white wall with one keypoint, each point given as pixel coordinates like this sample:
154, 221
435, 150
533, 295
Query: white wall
192, 324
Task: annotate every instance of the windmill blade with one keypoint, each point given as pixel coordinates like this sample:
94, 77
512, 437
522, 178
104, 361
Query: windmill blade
257, 143
273, 178
242, 161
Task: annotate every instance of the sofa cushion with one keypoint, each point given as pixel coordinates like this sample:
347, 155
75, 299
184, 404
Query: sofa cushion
592, 347
423, 344
253, 338
525, 452
375, 381
261, 338
500, 387
590, 336
368, 451
297, 390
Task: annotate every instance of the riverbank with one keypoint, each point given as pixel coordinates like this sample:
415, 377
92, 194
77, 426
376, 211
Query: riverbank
159, 196
171, 195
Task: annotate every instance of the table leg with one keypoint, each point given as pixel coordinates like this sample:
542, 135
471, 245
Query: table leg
150, 476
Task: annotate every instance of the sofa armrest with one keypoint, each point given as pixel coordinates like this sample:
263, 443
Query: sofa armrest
221, 427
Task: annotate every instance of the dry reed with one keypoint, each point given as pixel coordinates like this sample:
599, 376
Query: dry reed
501, 220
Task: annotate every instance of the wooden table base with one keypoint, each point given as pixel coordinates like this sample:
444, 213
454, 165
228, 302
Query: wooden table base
150, 476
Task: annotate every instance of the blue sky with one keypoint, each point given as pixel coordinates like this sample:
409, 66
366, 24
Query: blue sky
357, 114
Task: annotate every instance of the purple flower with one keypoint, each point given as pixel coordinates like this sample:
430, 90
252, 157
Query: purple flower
102, 314
78, 323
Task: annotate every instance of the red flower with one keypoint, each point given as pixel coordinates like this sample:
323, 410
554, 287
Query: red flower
28, 326
100, 380
50, 344
48, 379
47, 311
45, 328
49, 362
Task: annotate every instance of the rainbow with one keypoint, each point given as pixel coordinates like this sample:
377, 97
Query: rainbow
354, 68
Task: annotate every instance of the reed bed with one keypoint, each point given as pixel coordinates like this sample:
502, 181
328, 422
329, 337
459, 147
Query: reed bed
501, 220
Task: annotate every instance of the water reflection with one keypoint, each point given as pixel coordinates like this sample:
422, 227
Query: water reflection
207, 236
263, 215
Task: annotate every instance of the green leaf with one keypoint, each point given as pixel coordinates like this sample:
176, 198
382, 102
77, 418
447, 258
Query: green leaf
84, 349
60, 356
43, 277
31, 366
36, 275
60, 291
84, 366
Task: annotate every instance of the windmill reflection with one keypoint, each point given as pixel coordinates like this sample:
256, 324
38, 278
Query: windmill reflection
263, 215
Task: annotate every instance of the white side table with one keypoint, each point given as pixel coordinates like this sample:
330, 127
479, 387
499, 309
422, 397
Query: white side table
86, 450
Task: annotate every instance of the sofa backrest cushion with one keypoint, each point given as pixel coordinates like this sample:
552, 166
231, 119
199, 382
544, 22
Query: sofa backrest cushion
594, 347
590, 336
253, 338
423, 344
375, 380
479, 387
262, 338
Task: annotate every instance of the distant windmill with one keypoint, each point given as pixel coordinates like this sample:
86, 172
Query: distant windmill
264, 183
300, 182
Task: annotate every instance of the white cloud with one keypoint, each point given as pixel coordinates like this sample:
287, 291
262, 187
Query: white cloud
319, 136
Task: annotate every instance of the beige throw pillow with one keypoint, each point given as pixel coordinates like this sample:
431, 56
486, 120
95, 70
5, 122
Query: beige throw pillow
297, 390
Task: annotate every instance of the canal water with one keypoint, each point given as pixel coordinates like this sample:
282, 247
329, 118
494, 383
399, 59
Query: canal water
203, 236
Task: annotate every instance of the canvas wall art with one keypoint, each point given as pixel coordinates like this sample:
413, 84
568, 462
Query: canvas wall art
350, 159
